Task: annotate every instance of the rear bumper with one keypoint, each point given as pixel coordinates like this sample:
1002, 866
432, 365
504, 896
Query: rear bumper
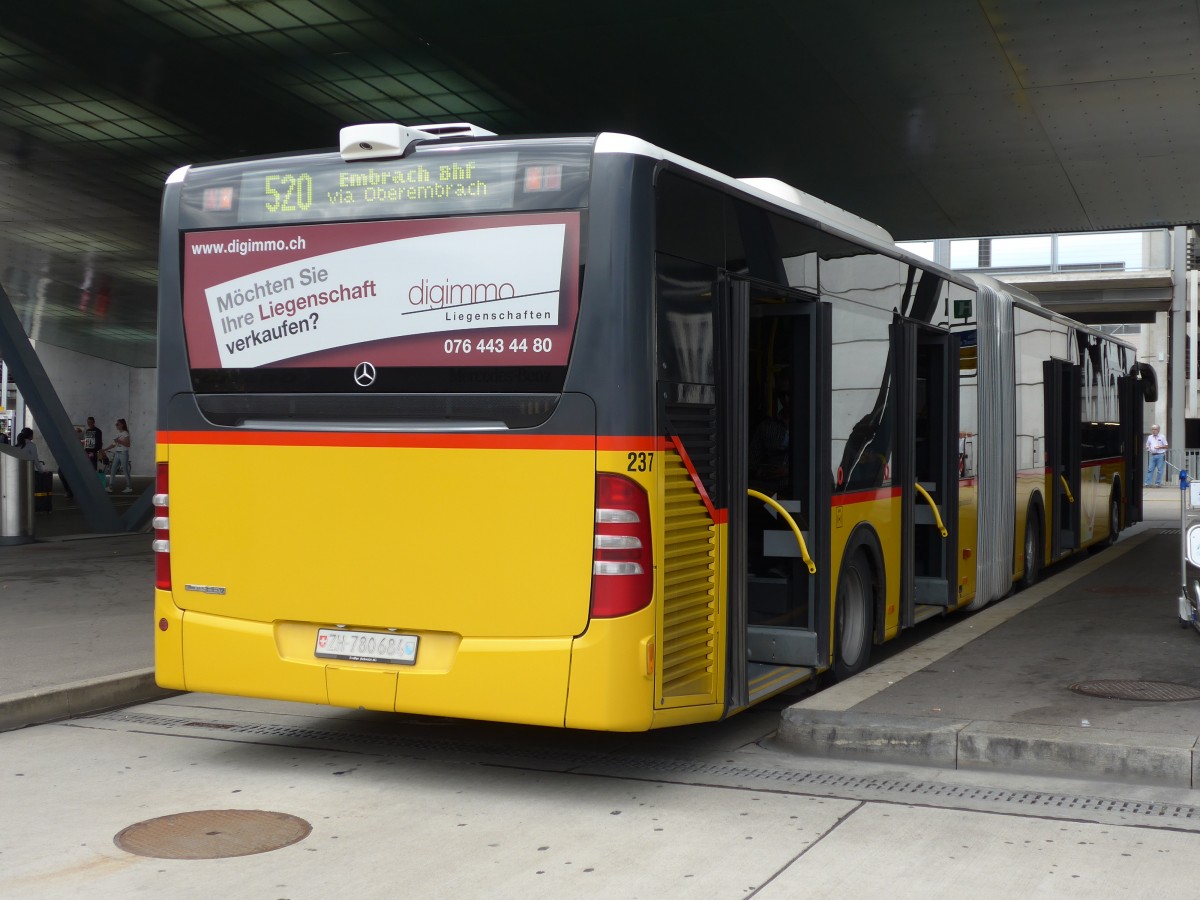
499, 679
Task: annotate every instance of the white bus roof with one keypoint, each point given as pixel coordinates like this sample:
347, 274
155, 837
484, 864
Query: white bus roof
765, 188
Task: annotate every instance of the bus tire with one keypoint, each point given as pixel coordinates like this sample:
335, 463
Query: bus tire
1114, 525
1114, 518
853, 616
1031, 548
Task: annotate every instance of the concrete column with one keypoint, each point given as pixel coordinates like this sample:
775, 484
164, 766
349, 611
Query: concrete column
1190, 408
1175, 379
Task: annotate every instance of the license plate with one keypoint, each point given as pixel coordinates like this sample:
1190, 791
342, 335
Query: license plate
366, 646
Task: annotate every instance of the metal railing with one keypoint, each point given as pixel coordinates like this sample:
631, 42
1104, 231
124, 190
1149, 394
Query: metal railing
1181, 459
1188, 459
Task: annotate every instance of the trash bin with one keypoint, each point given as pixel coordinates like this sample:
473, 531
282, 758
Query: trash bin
16, 497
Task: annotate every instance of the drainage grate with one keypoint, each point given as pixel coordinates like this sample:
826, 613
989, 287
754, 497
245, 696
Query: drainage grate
1127, 590
910, 791
696, 772
1153, 691
212, 834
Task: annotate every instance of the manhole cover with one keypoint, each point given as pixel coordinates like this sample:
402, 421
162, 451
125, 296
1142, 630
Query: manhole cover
1161, 691
212, 834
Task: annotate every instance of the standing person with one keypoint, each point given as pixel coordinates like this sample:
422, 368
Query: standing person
28, 448
1156, 450
43, 481
92, 441
120, 451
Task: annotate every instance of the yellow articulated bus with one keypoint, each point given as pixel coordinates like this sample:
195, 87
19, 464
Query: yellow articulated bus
572, 431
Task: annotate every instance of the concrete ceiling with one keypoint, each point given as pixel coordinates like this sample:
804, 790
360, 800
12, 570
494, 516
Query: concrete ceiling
947, 118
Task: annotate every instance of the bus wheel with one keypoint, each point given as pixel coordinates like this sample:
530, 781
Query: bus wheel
1033, 549
853, 624
1114, 525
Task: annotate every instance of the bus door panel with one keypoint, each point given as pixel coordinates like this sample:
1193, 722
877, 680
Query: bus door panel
777, 378
1063, 389
927, 366
732, 327
1130, 400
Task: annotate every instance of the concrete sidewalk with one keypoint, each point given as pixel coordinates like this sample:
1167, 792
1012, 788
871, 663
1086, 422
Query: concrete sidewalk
995, 690
75, 627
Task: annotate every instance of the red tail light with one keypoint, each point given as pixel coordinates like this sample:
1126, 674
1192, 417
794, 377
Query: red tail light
162, 530
623, 559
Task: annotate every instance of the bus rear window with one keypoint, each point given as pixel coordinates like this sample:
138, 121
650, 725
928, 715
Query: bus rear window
478, 303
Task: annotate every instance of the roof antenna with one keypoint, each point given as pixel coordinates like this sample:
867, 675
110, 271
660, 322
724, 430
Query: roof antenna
379, 140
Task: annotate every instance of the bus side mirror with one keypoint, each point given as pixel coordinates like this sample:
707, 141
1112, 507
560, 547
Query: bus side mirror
1149, 381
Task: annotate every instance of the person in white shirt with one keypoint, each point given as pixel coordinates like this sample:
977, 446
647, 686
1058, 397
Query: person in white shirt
1156, 452
120, 452
28, 448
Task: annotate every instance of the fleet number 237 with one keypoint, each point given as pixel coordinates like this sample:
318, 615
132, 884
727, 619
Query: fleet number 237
640, 462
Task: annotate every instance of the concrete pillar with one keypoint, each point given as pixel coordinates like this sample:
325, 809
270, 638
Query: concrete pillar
1176, 380
1190, 407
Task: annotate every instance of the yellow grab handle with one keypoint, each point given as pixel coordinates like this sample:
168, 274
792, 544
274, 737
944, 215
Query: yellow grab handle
787, 517
1067, 488
936, 515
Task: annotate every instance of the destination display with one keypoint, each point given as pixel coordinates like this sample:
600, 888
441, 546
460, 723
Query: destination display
466, 291
420, 186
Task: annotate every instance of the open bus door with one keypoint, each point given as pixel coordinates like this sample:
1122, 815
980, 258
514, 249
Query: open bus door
1129, 393
926, 376
775, 377
1064, 460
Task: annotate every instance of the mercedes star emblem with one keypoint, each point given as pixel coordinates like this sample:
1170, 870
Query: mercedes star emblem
364, 374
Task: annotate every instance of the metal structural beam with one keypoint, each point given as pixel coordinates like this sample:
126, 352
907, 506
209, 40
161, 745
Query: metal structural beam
56, 430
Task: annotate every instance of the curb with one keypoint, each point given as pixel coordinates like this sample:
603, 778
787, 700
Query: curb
79, 698
826, 725
1152, 758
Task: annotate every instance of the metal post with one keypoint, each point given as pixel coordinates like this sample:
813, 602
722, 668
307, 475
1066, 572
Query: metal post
16, 497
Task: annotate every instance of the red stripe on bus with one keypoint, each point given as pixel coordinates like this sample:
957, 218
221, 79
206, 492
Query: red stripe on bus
632, 442
414, 440
691, 470
864, 496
